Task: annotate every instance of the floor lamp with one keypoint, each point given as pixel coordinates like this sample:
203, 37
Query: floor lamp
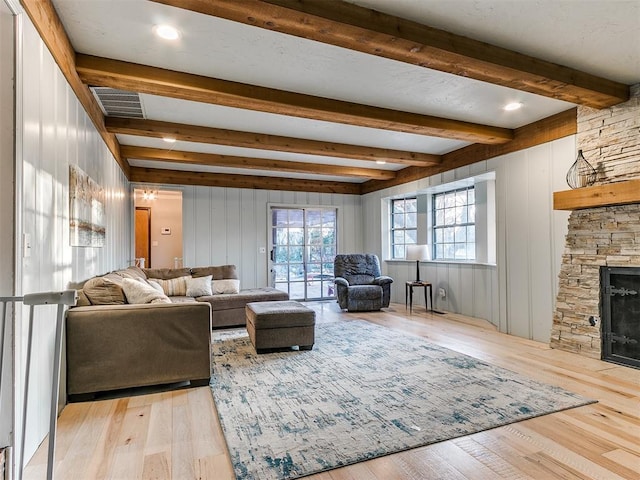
418, 253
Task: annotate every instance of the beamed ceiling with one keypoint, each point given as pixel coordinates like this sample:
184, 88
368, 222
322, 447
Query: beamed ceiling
333, 96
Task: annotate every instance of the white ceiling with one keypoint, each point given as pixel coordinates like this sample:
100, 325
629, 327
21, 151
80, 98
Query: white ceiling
598, 37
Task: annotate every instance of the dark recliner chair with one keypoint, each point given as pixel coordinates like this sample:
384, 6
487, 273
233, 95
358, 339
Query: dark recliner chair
359, 285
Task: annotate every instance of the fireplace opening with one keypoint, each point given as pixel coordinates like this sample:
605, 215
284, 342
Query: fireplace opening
620, 300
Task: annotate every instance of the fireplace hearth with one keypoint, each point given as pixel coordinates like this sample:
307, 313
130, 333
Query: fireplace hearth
620, 300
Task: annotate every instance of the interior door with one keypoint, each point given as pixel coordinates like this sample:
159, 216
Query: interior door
143, 234
303, 248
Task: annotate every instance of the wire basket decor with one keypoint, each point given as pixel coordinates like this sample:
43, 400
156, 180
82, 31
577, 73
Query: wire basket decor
581, 173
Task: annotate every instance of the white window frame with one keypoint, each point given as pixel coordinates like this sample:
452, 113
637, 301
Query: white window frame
404, 229
455, 228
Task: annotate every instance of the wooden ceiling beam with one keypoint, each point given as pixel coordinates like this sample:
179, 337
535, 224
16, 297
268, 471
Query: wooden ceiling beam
133, 77
216, 160
357, 28
48, 24
177, 177
234, 138
546, 130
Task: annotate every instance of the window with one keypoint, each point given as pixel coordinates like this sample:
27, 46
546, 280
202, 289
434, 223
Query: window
454, 230
404, 225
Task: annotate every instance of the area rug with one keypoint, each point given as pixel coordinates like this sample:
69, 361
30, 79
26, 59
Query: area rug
364, 391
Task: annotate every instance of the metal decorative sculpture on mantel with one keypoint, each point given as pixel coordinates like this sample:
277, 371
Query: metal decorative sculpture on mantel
581, 173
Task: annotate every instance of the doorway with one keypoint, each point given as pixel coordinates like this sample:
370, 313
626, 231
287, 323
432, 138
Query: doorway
143, 236
158, 227
303, 249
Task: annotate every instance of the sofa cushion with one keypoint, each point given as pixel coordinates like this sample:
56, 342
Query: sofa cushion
132, 272
199, 287
166, 273
218, 273
103, 291
173, 286
225, 286
182, 299
138, 292
82, 301
228, 301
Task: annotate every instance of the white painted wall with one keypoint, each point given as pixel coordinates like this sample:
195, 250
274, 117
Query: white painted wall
6, 211
516, 294
54, 133
166, 212
229, 225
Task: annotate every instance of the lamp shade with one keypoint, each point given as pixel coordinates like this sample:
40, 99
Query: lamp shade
418, 253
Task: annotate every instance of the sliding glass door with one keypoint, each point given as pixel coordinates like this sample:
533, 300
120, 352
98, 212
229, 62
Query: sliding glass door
303, 248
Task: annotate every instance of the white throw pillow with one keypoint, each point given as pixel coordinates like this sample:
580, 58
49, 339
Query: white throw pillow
138, 292
199, 287
156, 285
226, 286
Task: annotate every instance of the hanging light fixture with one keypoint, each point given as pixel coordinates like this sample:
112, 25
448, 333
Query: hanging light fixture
581, 173
149, 194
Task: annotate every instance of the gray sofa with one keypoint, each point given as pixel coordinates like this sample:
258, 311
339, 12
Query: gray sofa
359, 283
123, 346
112, 344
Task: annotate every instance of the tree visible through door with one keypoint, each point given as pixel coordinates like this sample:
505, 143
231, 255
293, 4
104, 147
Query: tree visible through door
304, 245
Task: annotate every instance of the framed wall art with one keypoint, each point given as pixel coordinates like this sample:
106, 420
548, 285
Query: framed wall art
86, 210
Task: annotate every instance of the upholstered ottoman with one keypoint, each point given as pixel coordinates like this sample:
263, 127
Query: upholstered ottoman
280, 324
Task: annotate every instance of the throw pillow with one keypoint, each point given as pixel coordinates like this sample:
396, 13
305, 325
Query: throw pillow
226, 286
83, 300
156, 285
173, 287
101, 291
199, 287
138, 292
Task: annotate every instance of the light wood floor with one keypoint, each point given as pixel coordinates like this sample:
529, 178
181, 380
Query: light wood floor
176, 435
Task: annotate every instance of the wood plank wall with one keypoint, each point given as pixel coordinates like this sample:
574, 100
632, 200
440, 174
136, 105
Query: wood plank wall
229, 225
517, 294
56, 132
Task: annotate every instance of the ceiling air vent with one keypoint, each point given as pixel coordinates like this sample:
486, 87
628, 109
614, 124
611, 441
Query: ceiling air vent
119, 103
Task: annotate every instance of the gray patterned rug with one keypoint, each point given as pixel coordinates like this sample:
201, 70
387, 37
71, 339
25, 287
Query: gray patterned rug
364, 391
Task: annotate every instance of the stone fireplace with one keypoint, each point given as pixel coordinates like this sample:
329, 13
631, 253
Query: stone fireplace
606, 236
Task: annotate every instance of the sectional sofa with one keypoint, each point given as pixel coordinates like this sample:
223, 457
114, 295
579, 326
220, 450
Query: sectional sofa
137, 327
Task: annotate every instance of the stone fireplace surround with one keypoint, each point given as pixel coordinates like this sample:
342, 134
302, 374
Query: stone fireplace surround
603, 236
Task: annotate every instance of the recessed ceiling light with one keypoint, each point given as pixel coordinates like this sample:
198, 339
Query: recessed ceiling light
167, 32
169, 139
512, 106
381, 162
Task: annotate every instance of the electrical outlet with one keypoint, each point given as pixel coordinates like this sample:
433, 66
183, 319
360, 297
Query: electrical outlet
442, 292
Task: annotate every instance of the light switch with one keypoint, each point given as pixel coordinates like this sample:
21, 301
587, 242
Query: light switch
26, 245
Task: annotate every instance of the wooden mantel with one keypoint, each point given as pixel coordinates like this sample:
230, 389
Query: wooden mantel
619, 193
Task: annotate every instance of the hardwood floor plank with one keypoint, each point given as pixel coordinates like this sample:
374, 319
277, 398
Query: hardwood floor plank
177, 435
626, 459
156, 467
464, 463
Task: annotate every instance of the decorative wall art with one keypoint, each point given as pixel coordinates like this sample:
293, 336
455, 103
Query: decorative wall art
86, 210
